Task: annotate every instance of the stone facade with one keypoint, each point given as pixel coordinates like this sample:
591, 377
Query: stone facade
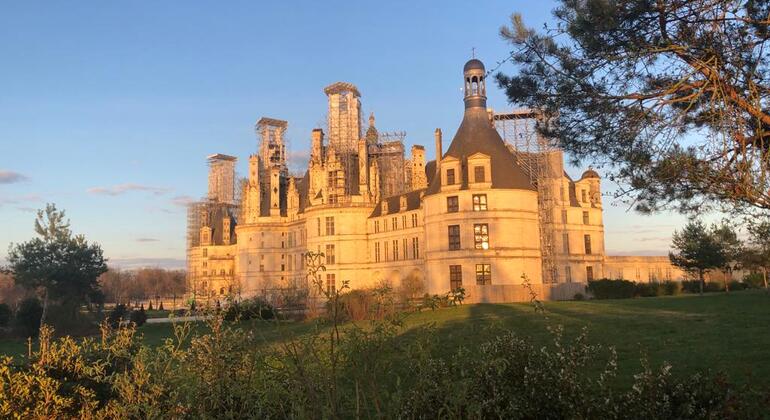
470, 218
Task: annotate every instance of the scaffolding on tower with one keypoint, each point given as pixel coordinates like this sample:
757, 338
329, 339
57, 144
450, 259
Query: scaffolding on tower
518, 129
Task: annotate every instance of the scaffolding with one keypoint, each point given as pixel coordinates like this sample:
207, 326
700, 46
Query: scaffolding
389, 154
344, 122
534, 152
222, 178
272, 143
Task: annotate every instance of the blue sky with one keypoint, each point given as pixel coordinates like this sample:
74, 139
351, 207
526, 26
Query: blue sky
108, 109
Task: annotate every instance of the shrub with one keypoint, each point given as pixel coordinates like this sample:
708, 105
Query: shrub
736, 285
612, 289
117, 314
254, 308
672, 288
5, 315
138, 317
712, 286
149, 307
579, 296
160, 306
28, 317
754, 281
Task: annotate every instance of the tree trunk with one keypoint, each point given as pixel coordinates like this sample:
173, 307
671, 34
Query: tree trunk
764, 275
45, 308
702, 281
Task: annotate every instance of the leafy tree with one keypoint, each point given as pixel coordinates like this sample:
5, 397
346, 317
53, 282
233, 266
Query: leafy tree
756, 256
56, 264
731, 248
697, 250
673, 97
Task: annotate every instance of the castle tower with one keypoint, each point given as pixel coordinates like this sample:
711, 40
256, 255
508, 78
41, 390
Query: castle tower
344, 116
272, 145
419, 180
222, 178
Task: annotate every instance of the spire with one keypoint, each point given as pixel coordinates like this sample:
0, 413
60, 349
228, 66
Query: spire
372, 136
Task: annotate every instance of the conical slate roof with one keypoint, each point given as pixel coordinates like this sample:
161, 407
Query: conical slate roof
477, 135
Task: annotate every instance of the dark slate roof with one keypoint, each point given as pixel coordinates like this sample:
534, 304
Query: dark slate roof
303, 186
476, 135
394, 203
430, 171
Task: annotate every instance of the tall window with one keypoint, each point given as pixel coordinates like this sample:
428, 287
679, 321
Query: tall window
565, 242
564, 216
587, 240
394, 222
414, 219
415, 248
331, 284
395, 250
585, 217
376, 252
452, 204
205, 252
405, 247
318, 226
330, 226
568, 274
478, 174
454, 237
376, 226
479, 202
455, 277
589, 273
483, 274
481, 236
385, 244
330, 259
584, 195
450, 176
403, 222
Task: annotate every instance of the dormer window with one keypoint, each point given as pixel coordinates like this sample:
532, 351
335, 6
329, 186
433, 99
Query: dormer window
403, 203
478, 174
450, 176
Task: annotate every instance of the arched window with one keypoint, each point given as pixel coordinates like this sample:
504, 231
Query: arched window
474, 86
221, 290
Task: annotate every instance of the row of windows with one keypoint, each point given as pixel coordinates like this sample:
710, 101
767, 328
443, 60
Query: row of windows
479, 203
394, 223
483, 275
586, 243
586, 218
214, 272
403, 255
480, 236
479, 175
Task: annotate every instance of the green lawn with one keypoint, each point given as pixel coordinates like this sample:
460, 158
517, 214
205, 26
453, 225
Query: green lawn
722, 332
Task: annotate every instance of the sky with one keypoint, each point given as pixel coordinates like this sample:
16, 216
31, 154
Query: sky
109, 109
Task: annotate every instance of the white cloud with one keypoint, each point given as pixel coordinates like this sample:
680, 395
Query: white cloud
128, 187
11, 177
147, 240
